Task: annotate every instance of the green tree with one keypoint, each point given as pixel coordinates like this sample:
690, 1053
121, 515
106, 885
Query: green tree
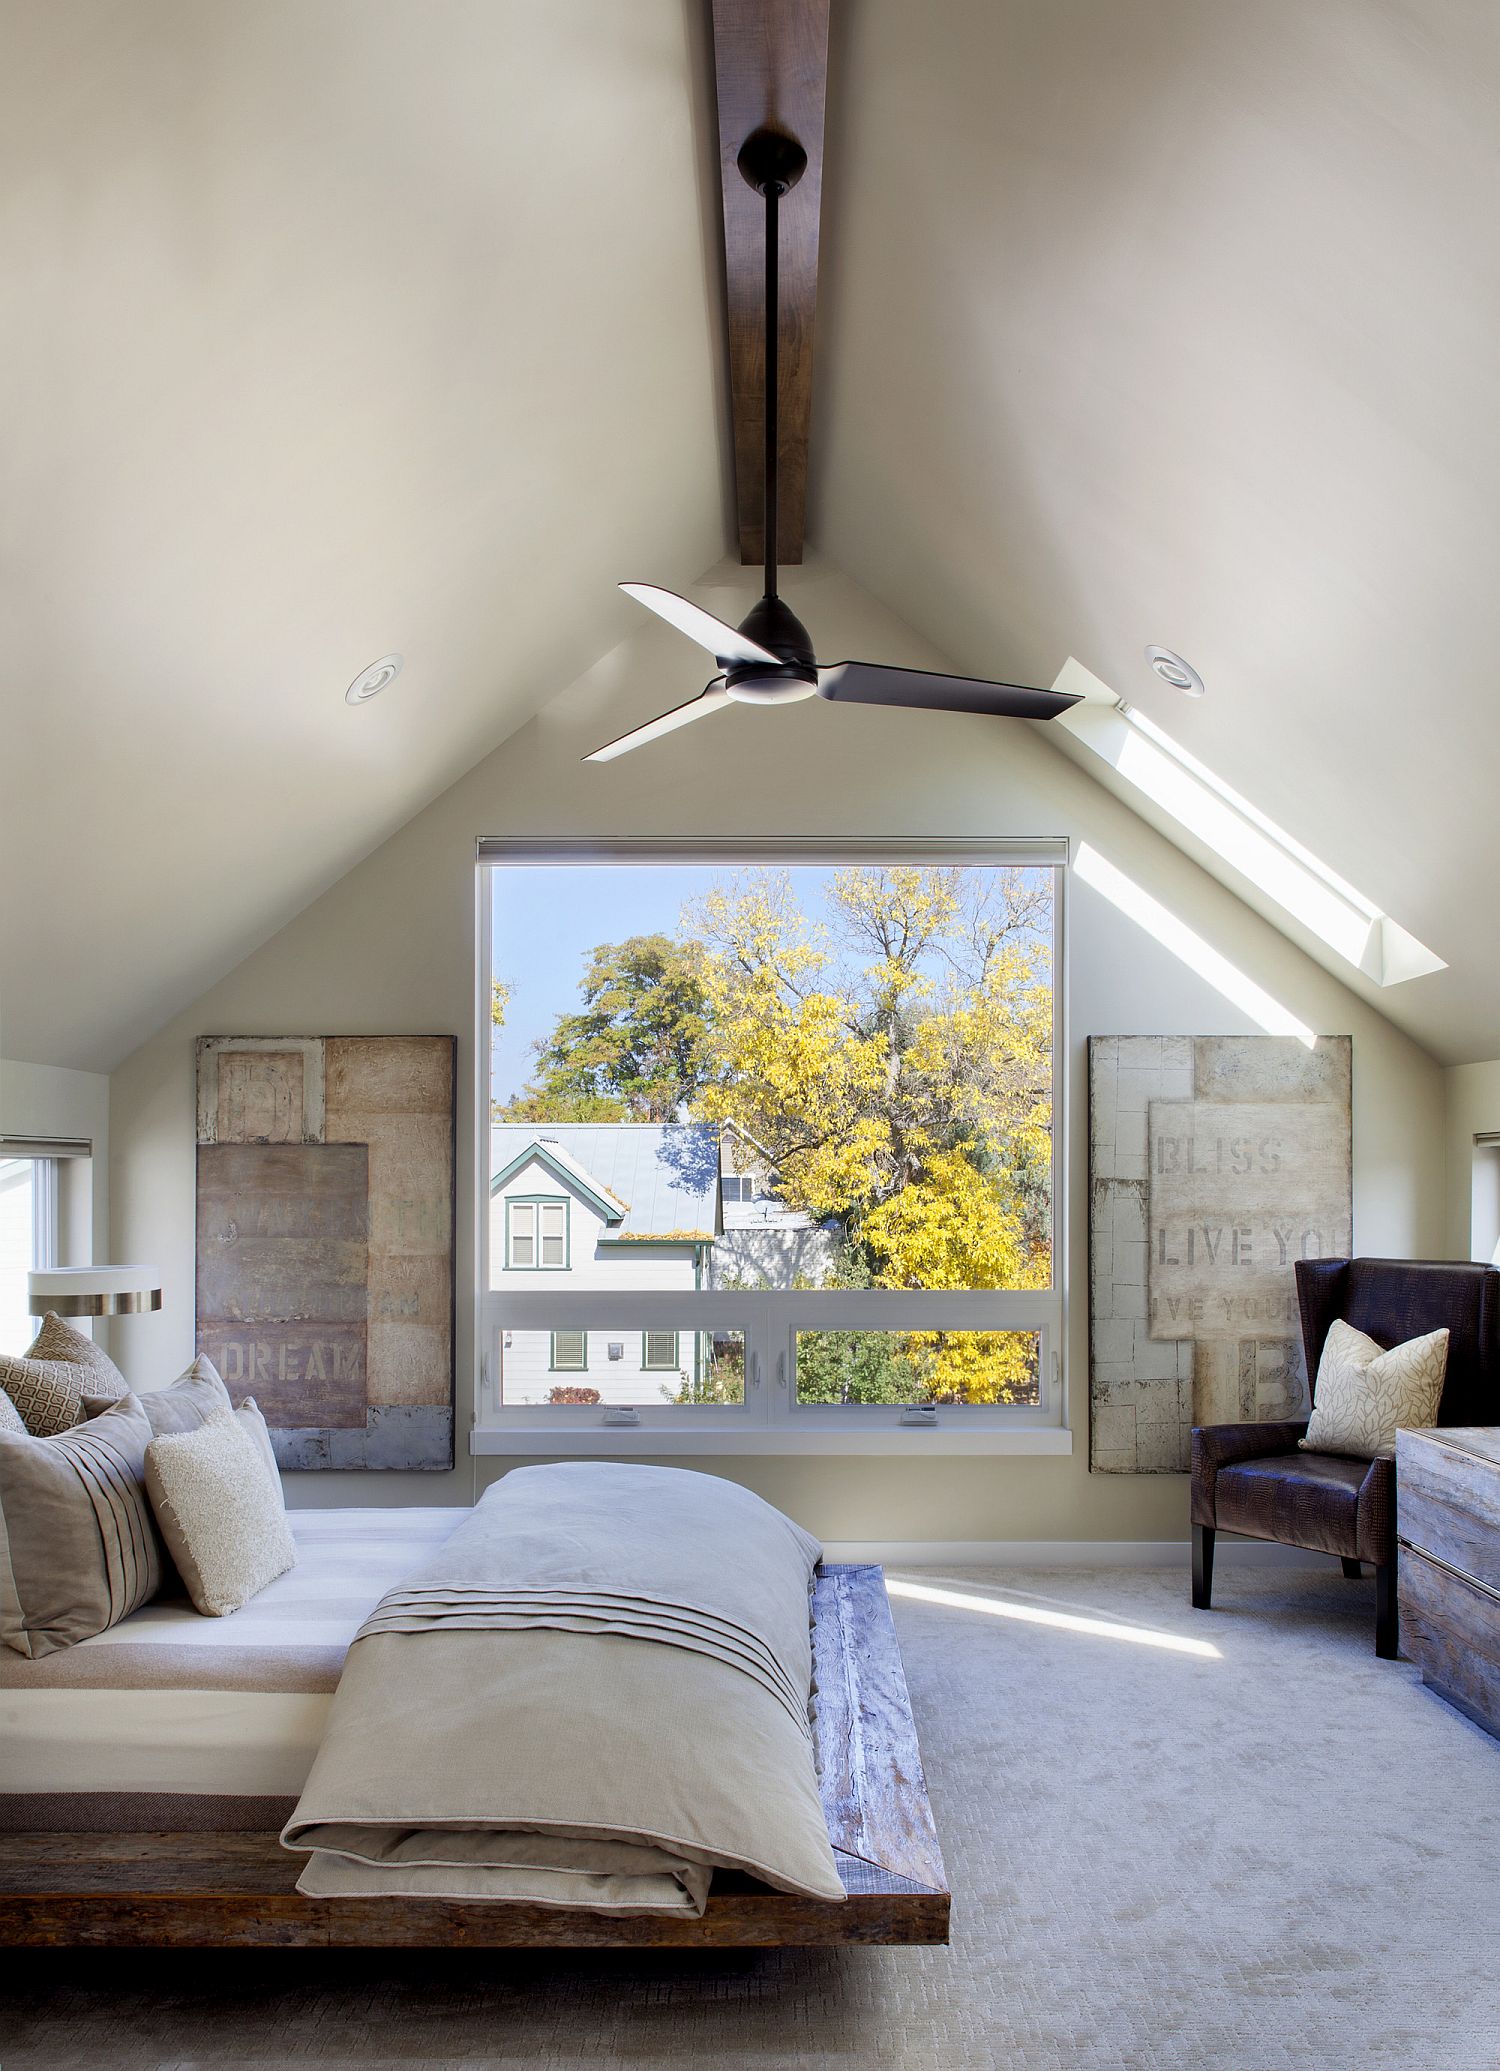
635, 1051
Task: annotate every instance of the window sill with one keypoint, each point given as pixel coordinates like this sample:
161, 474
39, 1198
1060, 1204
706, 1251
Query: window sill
551, 1441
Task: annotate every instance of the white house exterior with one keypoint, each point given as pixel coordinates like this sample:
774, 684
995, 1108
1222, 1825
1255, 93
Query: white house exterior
633, 1206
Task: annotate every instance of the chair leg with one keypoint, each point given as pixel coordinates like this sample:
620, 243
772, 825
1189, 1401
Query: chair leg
1352, 1568
1387, 1615
1203, 1566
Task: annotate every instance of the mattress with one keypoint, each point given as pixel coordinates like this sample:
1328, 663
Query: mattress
173, 1720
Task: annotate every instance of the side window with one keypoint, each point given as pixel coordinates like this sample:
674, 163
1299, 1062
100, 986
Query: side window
659, 1351
570, 1351
536, 1235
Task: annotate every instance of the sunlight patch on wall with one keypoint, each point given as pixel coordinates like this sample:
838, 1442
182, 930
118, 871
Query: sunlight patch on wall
1194, 798
1200, 956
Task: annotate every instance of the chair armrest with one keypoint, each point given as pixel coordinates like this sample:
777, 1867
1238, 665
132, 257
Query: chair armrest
1376, 1513
1222, 1445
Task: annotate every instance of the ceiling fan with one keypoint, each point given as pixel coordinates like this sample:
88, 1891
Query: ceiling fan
768, 658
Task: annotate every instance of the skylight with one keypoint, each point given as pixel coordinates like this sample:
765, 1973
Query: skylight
1193, 798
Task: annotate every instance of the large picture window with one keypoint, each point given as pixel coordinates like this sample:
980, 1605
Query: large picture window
782, 1127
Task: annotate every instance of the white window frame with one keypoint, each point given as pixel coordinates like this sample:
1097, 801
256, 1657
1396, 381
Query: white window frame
46, 1214
770, 1420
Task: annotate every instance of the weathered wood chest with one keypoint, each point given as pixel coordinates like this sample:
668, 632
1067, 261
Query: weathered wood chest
1448, 1524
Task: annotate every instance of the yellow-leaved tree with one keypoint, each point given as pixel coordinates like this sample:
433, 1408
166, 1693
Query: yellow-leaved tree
894, 1057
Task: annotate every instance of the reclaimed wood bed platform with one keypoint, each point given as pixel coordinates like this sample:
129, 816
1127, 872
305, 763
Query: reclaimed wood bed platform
203, 1890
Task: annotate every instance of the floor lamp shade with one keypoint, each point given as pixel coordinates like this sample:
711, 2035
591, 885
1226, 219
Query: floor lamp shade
94, 1290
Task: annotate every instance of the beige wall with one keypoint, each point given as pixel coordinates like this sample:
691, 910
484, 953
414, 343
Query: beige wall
391, 948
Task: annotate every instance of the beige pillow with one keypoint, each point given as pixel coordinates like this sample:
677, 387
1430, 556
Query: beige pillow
248, 1414
48, 1381
1363, 1393
192, 1399
219, 1512
10, 1416
78, 1546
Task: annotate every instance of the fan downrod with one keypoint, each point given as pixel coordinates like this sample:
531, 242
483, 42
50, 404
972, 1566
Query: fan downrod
769, 160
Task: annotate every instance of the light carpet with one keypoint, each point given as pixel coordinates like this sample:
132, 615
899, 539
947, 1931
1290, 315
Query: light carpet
1277, 1855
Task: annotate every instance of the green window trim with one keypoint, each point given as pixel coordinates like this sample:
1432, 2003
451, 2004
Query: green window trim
557, 1365
659, 1365
530, 1231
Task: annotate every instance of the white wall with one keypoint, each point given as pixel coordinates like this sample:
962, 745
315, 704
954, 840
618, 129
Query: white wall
391, 948
47, 1100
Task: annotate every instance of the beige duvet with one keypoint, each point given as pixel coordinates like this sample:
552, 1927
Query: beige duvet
595, 1693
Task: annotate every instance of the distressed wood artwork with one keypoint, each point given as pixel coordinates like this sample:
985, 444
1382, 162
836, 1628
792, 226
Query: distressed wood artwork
1215, 1163
325, 1241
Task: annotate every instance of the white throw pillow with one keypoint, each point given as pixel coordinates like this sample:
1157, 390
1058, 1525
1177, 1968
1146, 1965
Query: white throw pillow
220, 1512
1363, 1394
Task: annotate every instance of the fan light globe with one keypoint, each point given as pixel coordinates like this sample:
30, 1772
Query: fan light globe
770, 690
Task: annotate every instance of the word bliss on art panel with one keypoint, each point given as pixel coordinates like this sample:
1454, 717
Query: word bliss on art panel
1237, 1193
1216, 1162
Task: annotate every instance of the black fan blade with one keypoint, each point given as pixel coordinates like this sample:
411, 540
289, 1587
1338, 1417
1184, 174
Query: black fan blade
872, 683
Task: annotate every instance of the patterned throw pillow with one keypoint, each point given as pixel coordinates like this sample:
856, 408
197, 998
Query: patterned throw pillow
1363, 1394
47, 1382
219, 1512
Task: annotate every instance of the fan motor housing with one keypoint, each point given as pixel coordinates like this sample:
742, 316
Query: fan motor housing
773, 624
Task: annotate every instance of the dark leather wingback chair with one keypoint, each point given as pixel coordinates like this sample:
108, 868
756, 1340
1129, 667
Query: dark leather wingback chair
1252, 1479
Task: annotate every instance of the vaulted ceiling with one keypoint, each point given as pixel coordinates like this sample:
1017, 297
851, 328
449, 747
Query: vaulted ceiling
340, 326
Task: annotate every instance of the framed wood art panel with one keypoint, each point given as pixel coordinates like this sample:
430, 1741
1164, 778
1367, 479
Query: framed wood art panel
1215, 1163
325, 1221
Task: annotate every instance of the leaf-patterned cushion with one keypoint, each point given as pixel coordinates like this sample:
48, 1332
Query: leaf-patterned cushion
1363, 1393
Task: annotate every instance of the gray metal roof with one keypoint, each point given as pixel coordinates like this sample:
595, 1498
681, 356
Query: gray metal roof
666, 1174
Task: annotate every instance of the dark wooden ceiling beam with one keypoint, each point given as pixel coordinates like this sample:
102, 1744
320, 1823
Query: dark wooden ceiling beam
771, 69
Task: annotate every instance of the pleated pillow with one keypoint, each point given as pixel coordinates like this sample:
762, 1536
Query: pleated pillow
48, 1381
79, 1549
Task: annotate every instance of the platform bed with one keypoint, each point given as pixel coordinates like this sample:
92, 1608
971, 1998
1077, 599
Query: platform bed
205, 1890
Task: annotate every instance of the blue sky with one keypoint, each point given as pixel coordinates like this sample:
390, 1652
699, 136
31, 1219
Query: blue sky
548, 917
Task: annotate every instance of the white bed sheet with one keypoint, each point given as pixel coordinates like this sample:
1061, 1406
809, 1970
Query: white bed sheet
159, 1717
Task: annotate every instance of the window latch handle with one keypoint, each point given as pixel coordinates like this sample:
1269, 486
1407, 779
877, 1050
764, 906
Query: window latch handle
622, 1413
752, 1369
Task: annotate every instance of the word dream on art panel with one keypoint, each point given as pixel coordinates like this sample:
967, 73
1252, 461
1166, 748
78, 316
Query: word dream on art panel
325, 1241
1215, 1163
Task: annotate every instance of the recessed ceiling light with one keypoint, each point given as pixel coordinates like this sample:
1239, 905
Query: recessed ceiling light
1174, 670
369, 683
